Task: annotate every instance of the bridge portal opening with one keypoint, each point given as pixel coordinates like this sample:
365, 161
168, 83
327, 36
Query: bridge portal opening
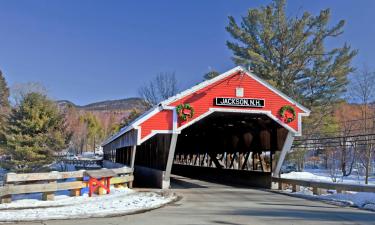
230, 147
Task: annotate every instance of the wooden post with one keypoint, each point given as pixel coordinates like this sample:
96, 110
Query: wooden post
295, 188
322, 191
7, 198
132, 157
280, 185
76, 192
287, 145
100, 191
168, 168
315, 191
49, 196
244, 165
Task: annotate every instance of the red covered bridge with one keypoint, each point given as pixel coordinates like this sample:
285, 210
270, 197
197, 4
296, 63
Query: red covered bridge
235, 127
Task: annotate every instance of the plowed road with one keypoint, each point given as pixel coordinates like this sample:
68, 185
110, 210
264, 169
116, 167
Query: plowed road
208, 203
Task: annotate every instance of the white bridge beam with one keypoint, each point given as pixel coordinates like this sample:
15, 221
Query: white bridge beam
286, 148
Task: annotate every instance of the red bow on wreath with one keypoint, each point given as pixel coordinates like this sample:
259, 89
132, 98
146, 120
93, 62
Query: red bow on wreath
287, 113
185, 111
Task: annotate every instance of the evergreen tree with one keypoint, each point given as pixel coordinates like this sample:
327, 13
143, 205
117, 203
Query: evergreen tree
289, 53
36, 130
4, 92
211, 74
4, 109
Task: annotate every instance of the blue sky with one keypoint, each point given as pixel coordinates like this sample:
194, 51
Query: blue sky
88, 50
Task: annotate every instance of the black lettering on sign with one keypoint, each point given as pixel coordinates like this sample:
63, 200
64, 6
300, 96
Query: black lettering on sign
240, 102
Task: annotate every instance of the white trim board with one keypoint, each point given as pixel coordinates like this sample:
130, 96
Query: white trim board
264, 112
212, 110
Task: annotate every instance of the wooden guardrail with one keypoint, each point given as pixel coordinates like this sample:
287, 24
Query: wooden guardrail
49, 183
321, 187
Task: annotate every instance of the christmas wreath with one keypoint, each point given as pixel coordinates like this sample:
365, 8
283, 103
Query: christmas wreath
185, 111
287, 113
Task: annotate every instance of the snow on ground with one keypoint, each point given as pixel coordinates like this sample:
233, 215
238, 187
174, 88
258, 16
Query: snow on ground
362, 200
119, 201
324, 176
305, 176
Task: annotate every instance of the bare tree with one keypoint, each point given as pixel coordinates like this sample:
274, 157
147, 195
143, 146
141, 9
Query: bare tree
347, 127
363, 92
19, 90
163, 86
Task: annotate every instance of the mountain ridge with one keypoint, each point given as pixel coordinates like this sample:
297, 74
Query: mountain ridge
106, 105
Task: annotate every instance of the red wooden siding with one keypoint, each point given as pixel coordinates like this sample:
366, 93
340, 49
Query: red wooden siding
203, 99
160, 121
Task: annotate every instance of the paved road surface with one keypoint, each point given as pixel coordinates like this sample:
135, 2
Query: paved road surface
208, 203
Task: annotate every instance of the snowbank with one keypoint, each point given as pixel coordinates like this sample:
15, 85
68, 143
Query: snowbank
324, 176
121, 201
305, 176
361, 200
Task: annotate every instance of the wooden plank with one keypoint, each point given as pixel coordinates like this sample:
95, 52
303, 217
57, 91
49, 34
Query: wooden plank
120, 180
123, 170
13, 177
100, 173
35, 188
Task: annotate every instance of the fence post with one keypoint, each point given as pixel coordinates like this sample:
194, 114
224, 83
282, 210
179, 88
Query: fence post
295, 188
280, 185
77, 192
7, 198
315, 190
49, 196
130, 183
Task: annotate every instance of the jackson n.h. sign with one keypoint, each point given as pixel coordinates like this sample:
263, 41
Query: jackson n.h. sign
240, 102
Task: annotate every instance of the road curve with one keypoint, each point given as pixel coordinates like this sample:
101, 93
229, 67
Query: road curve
209, 203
